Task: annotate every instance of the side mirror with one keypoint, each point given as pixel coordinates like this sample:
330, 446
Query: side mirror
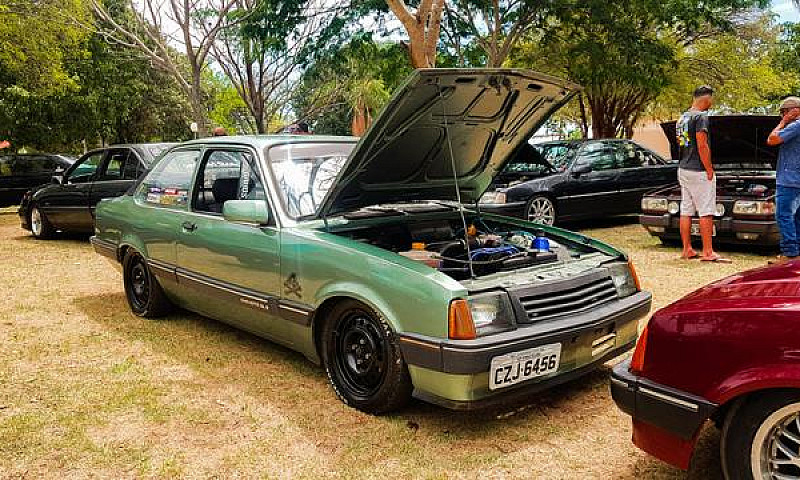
246, 211
57, 179
581, 169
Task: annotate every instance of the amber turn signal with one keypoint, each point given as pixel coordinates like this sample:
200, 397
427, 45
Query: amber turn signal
635, 276
637, 361
460, 324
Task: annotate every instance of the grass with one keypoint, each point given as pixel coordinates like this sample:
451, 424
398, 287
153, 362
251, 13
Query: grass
89, 390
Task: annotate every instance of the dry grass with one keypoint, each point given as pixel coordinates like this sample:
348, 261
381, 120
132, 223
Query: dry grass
89, 390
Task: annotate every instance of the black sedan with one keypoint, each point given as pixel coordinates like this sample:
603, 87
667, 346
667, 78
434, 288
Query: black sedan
569, 180
68, 202
21, 172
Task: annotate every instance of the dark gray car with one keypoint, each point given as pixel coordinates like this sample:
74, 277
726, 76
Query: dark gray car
67, 203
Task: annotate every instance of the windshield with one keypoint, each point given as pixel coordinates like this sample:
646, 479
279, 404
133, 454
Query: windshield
559, 155
305, 172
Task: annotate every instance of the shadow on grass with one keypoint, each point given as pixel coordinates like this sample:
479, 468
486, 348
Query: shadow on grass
705, 463
58, 237
285, 380
601, 222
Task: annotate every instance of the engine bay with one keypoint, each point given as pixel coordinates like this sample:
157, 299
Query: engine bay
484, 248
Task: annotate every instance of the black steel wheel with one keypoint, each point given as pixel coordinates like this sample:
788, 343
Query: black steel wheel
144, 294
362, 359
41, 228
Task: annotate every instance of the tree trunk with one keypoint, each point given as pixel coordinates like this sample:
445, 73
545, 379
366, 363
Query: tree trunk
584, 120
423, 29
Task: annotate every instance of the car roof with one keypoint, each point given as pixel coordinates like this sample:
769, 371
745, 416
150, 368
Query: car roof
262, 141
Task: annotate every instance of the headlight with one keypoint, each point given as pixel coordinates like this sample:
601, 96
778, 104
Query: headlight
673, 208
624, 278
493, 197
650, 204
753, 207
720, 210
491, 312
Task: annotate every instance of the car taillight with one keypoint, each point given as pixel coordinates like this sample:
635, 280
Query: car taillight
635, 276
460, 324
637, 361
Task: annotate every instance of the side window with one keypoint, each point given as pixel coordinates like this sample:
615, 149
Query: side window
599, 155
648, 157
629, 155
226, 175
6, 164
85, 169
167, 185
133, 167
114, 165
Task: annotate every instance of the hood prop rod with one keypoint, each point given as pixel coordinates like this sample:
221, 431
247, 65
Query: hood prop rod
455, 182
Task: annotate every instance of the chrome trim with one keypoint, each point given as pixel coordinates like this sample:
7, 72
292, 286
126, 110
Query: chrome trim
669, 399
292, 309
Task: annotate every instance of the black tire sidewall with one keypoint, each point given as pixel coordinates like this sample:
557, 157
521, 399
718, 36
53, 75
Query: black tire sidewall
157, 302
396, 388
741, 425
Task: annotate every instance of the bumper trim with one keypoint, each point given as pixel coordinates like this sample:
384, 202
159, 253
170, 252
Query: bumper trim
518, 393
674, 411
104, 247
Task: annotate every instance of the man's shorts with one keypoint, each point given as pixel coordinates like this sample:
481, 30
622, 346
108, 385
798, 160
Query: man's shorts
698, 193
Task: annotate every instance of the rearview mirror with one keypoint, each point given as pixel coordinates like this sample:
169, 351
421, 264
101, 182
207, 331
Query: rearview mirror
582, 168
246, 211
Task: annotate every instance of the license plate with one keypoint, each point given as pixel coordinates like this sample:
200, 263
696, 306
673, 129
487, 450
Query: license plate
516, 367
696, 230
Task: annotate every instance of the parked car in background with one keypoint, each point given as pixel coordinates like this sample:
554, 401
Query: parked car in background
21, 172
745, 169
569, 180
728, 352
359, 256
67, 202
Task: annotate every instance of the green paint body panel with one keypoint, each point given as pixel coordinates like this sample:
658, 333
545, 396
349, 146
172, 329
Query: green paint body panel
274, 280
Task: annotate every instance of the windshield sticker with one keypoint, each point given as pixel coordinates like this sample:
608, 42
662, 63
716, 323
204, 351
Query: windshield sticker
174, 196
153, 195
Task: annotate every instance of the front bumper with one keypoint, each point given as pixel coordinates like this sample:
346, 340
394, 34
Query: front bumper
729, 230
455, 374
666, 420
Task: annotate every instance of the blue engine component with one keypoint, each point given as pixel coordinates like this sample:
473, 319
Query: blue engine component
493, 253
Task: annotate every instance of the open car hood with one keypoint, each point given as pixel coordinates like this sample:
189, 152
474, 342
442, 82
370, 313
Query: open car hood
482, 115
738, 142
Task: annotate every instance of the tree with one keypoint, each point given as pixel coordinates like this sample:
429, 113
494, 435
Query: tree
625, 53
342, 91
423, 27
494, 26
262, 54
198, 24
746, 68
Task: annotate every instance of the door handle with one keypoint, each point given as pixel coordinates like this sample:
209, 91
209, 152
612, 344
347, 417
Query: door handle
189, 226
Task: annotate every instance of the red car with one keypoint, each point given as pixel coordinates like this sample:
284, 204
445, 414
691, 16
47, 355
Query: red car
730, 353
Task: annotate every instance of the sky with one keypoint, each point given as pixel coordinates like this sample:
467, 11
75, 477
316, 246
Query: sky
786, 10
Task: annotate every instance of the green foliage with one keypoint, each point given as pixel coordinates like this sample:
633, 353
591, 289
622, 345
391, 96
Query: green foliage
359, 73
625, 53
109, 96
749, 69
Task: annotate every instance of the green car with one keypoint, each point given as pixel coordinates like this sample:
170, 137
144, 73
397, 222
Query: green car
360, 255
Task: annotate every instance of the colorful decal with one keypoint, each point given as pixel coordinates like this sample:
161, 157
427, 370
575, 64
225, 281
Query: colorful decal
293, 286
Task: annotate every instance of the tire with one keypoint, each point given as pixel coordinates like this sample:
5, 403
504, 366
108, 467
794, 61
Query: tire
41, 228
362, 359
541, 209
751, 435
145, 296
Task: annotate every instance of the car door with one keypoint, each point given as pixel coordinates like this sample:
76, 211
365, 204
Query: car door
232, 268
67, 205
592, 185
641, 171
7, 181
118, 174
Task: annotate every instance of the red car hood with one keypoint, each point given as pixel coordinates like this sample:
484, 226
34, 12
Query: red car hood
773, 281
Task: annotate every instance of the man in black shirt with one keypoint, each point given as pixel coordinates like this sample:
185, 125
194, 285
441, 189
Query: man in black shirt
696, 176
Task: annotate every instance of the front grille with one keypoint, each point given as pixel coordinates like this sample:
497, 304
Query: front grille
573, 298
